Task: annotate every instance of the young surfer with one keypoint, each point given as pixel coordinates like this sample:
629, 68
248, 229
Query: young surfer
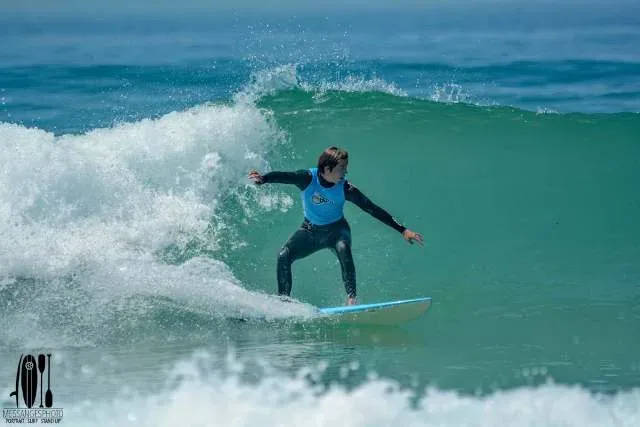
324, 191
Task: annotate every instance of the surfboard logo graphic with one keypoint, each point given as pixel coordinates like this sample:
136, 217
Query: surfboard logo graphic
29, 380
30, 374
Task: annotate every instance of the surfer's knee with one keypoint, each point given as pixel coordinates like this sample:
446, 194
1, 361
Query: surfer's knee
285, 254
343, 247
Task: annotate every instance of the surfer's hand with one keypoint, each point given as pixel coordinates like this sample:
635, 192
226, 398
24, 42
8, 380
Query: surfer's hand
255, 176
412, 236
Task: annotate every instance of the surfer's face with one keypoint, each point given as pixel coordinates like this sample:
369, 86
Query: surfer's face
337, 173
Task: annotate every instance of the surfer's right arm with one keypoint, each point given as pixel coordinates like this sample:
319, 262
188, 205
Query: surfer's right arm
300, 178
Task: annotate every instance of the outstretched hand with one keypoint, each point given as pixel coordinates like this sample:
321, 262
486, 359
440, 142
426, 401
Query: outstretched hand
255, 176
412, 236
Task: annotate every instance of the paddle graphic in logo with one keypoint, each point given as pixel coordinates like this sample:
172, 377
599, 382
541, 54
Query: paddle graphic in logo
29, 373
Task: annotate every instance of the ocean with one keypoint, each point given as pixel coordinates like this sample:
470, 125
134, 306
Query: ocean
137, 254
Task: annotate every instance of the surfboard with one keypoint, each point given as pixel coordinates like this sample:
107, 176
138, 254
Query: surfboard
384, 313
29, 380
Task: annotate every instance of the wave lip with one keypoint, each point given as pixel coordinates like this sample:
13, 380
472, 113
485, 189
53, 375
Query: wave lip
286, 77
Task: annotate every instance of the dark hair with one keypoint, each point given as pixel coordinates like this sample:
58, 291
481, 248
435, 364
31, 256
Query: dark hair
330, 158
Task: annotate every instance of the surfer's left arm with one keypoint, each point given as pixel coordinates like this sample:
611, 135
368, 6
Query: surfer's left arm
355, 196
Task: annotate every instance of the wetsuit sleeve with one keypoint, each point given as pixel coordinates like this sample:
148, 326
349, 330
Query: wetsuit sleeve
300, 178
355, 196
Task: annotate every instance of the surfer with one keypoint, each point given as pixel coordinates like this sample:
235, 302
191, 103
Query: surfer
324, 191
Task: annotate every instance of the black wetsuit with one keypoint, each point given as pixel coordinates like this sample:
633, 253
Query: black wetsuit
336, 236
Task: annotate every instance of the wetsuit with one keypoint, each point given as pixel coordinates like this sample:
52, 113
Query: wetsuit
323, 228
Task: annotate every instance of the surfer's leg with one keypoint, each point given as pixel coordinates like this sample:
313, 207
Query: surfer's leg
342, 249
301, 244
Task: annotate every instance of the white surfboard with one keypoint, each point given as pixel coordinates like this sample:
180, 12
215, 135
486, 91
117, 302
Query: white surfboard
385, 313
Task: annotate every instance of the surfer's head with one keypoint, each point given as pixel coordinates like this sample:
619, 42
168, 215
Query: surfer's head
332, 164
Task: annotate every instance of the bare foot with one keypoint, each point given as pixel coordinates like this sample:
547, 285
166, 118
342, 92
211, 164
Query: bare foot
352, 301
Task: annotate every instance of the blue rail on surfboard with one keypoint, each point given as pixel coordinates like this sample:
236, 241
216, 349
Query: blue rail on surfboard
368, 307
385, 313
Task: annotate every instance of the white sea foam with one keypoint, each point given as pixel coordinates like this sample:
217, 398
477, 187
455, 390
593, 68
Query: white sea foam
85, 218
196, 395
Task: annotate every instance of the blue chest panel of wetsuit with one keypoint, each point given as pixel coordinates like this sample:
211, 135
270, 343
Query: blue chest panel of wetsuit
322, 205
